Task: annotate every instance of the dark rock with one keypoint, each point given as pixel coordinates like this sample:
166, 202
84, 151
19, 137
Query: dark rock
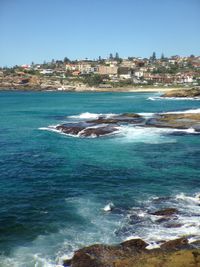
164, 219
119, 119
173, 225
165, 212
85, 131
84, 259
134, 244
96, 256
106, 256
103, 120
161, 200
67, 263
100, 131
179, 243
74, 129
130, 115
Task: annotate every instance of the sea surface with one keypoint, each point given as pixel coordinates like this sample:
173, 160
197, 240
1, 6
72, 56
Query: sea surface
54, 187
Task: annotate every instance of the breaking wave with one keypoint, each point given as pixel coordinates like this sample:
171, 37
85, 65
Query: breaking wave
157, 98
88, 115
140, 223
117, 225
194, 111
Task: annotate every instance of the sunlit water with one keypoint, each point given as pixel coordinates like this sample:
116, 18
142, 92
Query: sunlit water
54, 187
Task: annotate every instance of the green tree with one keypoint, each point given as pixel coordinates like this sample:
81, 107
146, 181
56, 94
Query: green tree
93, 80
153, 56
117, 56
66, 60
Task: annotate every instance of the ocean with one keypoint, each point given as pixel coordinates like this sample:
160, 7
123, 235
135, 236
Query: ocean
55, 187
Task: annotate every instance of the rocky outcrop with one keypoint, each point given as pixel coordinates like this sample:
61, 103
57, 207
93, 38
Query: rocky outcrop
104, 125
133, 253
176, 120
85, 131
131, 118
136, 244
176, 244
93, 128
193, 92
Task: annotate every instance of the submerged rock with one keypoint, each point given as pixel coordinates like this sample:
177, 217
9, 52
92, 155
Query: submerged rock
173, 225
165, 212
193, 92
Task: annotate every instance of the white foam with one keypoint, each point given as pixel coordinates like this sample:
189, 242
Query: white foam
88, 115
189, 130
150, 135
146, 115
187, 218
154, 98
193, 111
108, 207
51, 129
153, 245
195, 198
130, 133
45, 252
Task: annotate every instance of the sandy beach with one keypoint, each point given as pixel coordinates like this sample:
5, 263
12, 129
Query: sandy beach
129, 89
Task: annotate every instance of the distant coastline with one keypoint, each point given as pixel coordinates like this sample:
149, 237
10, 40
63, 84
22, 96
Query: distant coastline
94, 89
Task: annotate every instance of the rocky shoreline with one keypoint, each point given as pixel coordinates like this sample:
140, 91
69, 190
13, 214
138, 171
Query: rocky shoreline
134, 253
138, 253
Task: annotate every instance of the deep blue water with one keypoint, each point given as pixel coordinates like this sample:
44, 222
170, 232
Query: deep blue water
54, 187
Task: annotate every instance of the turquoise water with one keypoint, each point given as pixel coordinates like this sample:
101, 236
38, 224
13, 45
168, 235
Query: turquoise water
54, 187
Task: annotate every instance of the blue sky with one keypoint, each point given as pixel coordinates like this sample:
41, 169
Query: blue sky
38, 30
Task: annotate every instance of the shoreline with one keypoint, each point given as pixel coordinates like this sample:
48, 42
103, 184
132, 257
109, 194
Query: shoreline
95, 89
135, 253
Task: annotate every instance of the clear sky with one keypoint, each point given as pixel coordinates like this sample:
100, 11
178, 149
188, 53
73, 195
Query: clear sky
38, 30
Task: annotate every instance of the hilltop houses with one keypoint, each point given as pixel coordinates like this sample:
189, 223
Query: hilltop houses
105, 73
